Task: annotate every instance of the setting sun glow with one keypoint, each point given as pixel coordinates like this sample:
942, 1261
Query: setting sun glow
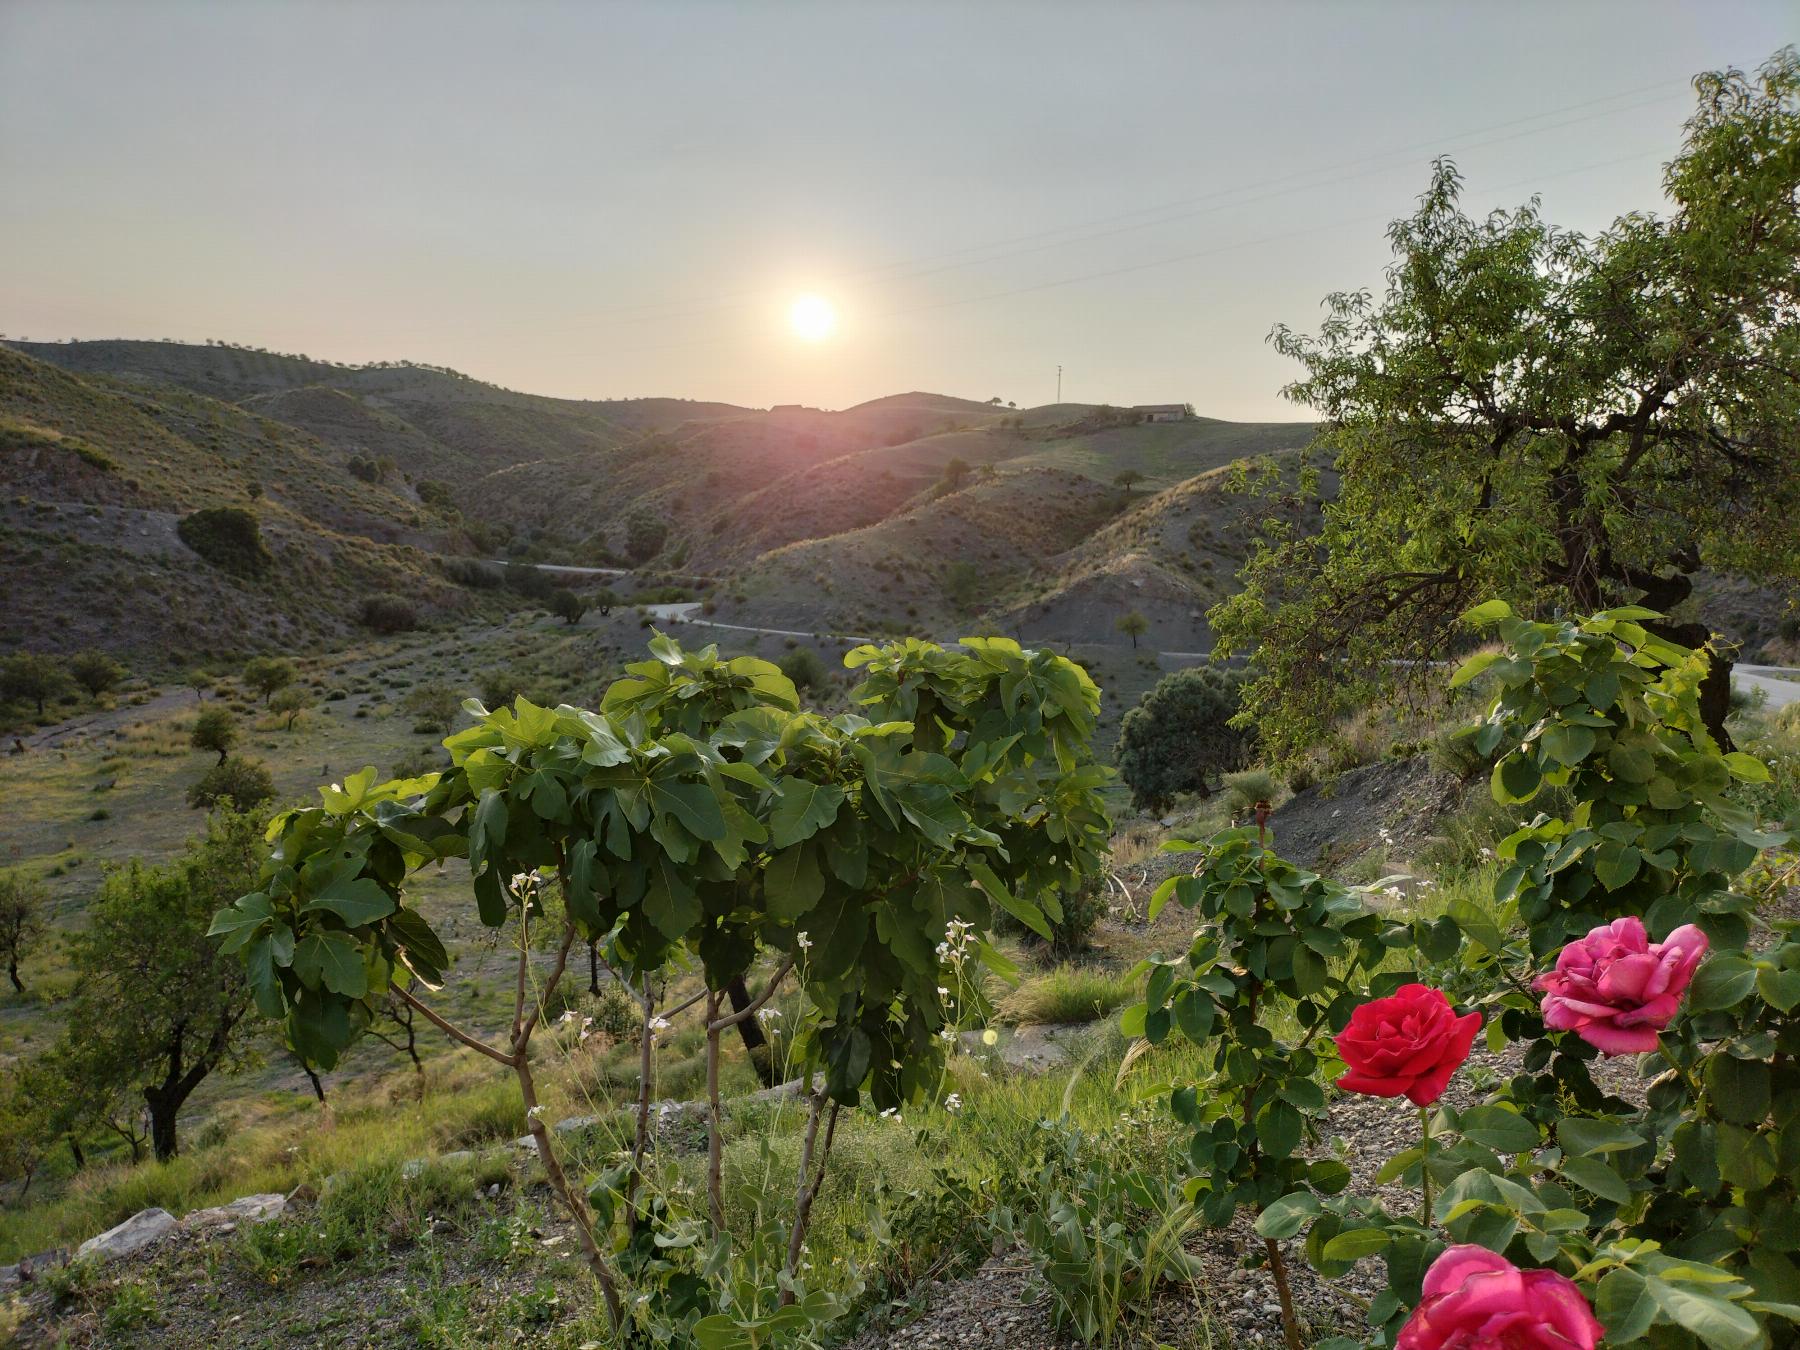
812, 317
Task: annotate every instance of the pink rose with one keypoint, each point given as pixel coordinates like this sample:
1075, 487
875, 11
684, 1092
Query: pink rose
1405, 1045
1475, 1299
1616, 989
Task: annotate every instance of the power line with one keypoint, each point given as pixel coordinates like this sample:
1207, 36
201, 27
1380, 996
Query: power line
1297, 180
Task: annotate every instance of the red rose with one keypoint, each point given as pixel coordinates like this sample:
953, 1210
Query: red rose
1405, 1045
1474, 1298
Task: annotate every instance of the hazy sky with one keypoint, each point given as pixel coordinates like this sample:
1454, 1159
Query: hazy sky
612, 200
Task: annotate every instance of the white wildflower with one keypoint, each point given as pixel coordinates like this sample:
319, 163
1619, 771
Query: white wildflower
802, 941
953, 1103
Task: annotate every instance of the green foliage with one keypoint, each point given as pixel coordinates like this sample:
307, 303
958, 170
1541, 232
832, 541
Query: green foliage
268, 674
962, 584
389, 613
1133, 625
805, 668
1676, 1217
644, 536
243, 783
1180, 737
1271, 931
567, 606
1557, 419
701, 811
156, 1004
433, 707
23, 902
229, 538
31, 677
289, 704
215, 729
95, 672
1105, 1230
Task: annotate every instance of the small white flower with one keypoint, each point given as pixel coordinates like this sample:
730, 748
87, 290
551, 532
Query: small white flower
947, 1035
569, 1016
660, 1024
803, 941
943, 992
953, 1103
534, 1113
767, 1014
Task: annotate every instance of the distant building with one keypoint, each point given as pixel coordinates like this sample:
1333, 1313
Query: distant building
1161, 412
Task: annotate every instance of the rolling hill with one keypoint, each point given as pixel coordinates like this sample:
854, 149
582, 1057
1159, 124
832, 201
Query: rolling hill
359, 475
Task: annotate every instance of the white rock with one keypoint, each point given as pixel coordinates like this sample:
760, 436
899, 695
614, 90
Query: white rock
136, 1233
245, 1209
418, 1165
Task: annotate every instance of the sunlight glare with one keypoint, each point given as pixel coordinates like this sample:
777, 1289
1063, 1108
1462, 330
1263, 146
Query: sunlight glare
812, 317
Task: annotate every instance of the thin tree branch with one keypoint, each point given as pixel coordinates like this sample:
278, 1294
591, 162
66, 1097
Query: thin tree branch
454, 1033
714, 1023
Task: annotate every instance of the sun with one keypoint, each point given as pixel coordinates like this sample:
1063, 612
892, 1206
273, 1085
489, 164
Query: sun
812, 317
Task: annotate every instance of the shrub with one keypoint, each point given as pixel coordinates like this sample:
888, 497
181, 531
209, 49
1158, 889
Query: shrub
389, 613
229, 538
215, 730
243, 783
433, 707
1245, 789
477, 576
803, 666
31, 677
1179, 737
268, 674
644, 536
95, 672
567, 606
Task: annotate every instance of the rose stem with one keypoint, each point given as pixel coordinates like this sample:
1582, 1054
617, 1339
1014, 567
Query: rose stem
1425, 1165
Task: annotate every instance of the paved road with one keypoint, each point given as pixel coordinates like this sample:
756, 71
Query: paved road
1778, 692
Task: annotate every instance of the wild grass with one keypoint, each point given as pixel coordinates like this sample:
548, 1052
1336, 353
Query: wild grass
1068, 993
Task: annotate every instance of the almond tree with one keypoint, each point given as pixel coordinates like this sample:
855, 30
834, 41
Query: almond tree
1559, 420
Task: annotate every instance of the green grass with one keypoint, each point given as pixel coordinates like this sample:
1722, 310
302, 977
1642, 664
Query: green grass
1069, 993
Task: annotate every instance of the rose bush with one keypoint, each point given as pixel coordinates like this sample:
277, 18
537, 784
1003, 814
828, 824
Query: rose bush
1474, 1298
1616, 989
1405, 1045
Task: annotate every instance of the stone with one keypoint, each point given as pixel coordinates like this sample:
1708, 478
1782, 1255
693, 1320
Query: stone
576, 1124
245, 1209
136, 1233
452, 1159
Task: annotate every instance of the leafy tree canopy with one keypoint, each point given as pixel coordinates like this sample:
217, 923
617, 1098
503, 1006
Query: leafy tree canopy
1180, 737
1559, 420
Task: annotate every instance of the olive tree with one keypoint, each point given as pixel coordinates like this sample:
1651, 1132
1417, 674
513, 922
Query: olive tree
22, 922
156, 1004
95, 672
701, 812
269, 674
215, 730
1180, 737
1561, 420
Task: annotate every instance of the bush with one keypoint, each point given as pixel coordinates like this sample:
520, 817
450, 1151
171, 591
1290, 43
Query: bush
567, 606
95, 672
1179, 737
433, 707
215, 730
269, 674
389, 613
229, 538
1244, 790
644, 536
477, 576
804, 668
246, 783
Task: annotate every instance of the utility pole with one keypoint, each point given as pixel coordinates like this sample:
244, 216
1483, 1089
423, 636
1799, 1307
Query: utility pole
1059, 384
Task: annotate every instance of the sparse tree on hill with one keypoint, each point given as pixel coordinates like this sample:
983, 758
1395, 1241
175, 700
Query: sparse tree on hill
432, 707
216, 730
956, 473
604, 600
962, 583
1127, 479
22, 922
1554, 419
199, 681
1134, 626
159, 1006
266, 674
243, 783
95, 672
644, 536
1180, 737
289, 704
31, 677
567, 606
